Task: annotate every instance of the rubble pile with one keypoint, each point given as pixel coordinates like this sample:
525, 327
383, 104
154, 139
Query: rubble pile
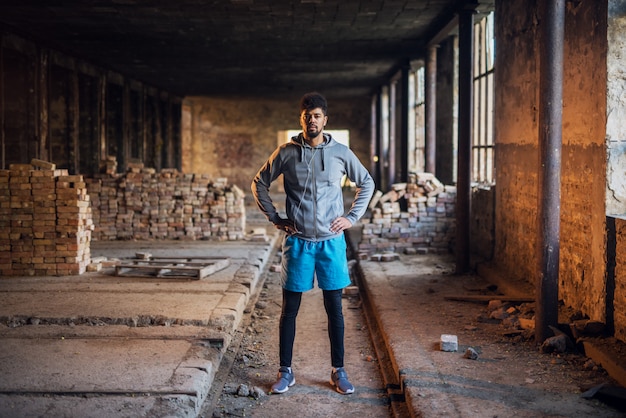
518, 322
144, 204
517, 319
414, 217
45, 221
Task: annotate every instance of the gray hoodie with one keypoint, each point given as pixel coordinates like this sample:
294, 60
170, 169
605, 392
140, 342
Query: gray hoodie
312, 181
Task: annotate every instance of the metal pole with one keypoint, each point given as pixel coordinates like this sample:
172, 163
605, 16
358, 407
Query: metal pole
374, 118
549, 188
430, 104
464, 175
403, 163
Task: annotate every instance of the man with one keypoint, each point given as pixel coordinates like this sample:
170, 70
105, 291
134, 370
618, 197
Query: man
313, 165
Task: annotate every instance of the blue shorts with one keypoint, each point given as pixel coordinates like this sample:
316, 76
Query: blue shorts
304, 260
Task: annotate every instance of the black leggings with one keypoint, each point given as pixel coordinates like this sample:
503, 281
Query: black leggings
287, 329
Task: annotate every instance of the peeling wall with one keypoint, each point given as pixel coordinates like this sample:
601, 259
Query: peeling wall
616, 157
516, 103
616, 108
582, 250
583, 230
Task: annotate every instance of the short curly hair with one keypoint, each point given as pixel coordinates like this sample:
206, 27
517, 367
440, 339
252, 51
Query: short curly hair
312, 101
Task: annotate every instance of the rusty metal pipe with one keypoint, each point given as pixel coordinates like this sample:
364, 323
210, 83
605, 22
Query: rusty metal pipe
549, 187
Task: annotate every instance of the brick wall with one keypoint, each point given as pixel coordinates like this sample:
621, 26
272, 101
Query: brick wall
582, 282
232, 138
45, 221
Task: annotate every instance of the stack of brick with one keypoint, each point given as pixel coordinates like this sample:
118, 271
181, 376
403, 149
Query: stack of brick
45, 220
414, 217
143, 204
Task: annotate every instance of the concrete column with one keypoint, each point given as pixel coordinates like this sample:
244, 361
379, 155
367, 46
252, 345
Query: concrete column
42, 120
73, 110
102, 120
126, 126
402, 168
464, 175
430, 96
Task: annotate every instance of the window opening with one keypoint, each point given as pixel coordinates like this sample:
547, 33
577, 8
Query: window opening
483, 163
417, 149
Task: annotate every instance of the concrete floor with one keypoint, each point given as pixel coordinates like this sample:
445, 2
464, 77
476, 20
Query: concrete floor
104, 345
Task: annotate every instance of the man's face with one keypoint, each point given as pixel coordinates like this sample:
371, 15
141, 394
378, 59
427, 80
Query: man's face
313, 122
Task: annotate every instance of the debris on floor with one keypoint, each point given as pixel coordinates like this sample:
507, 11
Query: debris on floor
174, 267
449, 342
471, 354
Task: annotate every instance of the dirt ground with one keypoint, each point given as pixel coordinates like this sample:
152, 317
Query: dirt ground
552, 382
251, 363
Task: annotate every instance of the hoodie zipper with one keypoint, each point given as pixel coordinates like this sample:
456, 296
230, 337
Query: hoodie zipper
314, 194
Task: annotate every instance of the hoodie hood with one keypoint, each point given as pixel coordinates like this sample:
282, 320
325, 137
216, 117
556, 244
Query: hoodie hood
329, 141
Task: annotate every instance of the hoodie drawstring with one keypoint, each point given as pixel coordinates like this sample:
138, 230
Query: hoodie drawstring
300, 139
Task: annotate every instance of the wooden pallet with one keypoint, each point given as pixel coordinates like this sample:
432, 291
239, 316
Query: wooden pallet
173, 267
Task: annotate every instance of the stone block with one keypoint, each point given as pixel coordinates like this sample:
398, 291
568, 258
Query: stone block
449, 342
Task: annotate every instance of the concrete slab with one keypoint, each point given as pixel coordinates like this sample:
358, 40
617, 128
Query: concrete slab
128, 307
103, 345
75, 365
121, 406
235, 250
58, 372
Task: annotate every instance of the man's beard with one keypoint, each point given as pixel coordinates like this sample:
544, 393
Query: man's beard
313, 131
